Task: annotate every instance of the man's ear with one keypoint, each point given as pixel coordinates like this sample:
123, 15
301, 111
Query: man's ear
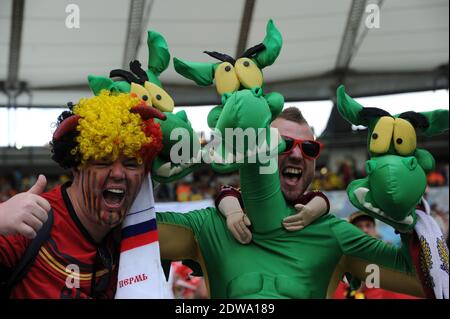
158, 53
273, 43
200, 73
75, 173
437, 122
349, 108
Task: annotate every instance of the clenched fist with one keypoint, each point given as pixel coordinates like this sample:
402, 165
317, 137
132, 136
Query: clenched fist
25, 213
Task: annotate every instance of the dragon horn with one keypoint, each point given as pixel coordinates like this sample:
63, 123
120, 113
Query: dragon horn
66, 126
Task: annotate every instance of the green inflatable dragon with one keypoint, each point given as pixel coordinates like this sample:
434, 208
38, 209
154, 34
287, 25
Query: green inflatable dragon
396, 182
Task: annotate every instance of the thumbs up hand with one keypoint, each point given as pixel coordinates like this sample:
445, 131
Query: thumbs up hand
25, 213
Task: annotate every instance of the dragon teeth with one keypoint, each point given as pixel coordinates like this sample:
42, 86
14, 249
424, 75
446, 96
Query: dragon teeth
360, 194
175, 170
164, 170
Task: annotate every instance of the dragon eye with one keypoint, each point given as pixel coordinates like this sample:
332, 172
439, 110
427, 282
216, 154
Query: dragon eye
404, 137
248, 73
226, 78
140, 92
382, 135
160, 99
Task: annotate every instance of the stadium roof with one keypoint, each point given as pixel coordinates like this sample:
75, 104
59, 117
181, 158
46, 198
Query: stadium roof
325, 43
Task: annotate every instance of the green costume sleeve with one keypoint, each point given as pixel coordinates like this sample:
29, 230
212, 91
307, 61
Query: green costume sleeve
396, 270
263, 200
192, 220
354, 242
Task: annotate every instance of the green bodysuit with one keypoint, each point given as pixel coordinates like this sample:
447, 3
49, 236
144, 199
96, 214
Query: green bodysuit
278, 263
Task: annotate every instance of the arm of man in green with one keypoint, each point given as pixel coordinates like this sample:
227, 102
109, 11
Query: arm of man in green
360, 252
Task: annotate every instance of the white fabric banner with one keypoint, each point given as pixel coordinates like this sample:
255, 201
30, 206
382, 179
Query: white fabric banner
434, 252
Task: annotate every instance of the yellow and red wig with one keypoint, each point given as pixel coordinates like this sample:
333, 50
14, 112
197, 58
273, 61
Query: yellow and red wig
104, 127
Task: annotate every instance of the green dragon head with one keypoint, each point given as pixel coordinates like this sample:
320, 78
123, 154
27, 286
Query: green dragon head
181, 149
147, 86
396, 171
144, 84
239, 82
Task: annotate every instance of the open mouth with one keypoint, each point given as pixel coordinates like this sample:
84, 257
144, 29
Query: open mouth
113, 197
292, 175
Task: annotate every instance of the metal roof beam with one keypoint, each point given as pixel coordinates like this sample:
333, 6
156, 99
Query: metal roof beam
350, 34
321, 87
12, 80
134, 30
246, 22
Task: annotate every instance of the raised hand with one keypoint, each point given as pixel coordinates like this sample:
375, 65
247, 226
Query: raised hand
25, 213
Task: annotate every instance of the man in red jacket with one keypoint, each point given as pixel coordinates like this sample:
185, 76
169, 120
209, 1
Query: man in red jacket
108, 144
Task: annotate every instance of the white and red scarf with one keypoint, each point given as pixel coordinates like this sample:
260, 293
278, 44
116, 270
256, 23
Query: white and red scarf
140, 272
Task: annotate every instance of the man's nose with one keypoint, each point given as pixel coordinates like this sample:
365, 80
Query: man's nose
297, 152
117, 170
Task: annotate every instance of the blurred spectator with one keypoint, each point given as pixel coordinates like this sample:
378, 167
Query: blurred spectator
345, 171
186, 286
441, 218
183, 192
436, 178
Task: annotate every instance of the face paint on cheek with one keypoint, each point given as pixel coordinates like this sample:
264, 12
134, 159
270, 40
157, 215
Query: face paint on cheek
134, 184
86, 189
83, 187
92, 194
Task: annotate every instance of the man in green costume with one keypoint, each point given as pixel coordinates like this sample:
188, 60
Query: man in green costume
276, 263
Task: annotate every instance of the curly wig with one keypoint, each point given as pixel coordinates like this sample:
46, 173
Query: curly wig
107, 129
